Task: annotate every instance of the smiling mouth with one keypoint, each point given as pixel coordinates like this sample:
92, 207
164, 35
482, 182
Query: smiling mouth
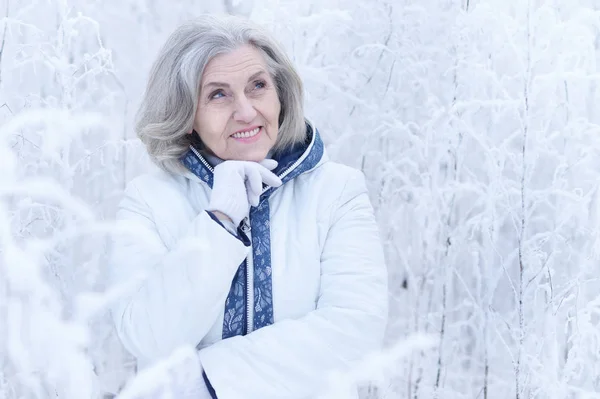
247, 134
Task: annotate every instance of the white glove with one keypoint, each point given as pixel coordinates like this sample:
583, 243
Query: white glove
237, 185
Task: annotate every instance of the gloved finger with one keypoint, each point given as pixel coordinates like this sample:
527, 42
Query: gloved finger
253, 182
269, 163
269, 177
253, 198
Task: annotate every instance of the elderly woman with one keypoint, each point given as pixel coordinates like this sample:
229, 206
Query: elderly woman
254, 247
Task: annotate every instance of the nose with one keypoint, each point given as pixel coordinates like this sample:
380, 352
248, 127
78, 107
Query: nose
244, 110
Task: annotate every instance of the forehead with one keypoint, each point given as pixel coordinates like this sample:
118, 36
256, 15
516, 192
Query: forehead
237, 64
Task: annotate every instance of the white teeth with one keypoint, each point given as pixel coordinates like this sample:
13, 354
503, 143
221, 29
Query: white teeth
243, 135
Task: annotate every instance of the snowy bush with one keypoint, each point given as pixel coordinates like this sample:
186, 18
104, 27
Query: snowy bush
475, 122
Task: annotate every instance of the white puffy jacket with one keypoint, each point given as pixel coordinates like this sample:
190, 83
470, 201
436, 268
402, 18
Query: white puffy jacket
329, 281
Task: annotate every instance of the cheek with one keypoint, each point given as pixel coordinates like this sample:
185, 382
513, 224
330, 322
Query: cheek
211, 125
274, 107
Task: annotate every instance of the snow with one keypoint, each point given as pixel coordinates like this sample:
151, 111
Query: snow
475, 123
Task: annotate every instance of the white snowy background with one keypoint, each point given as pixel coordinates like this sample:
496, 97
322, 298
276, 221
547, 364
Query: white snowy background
476, 122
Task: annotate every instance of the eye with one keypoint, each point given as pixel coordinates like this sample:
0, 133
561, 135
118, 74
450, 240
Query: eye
217, 94
259, 84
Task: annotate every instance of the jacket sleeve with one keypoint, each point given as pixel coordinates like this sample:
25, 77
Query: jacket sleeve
291, 358
172, 295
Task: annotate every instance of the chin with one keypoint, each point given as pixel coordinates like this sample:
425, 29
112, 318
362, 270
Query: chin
254, 156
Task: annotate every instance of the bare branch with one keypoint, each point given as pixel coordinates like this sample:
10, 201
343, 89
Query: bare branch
3, 39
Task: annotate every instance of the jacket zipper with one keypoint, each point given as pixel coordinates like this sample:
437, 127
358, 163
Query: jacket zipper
201, 158
287, 171
249, 259
247, 229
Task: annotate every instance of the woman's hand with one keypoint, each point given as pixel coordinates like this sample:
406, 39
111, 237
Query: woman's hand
237, 185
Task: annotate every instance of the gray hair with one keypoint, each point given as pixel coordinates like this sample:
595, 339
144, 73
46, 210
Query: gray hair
167, 110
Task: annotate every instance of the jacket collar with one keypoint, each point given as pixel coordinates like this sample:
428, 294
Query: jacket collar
299, 159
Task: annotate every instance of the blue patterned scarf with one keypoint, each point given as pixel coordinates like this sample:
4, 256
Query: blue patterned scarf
301, 158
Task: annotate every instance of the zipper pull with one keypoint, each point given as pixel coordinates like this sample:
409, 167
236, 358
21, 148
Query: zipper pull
246, 225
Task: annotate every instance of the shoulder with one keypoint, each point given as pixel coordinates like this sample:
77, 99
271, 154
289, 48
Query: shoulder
332, 186
167, 201
157, 187
338, 177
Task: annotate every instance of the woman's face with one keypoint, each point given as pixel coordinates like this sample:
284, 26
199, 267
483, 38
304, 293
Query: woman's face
238, 108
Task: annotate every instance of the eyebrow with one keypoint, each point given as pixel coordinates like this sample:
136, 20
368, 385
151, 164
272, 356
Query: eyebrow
221, 84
